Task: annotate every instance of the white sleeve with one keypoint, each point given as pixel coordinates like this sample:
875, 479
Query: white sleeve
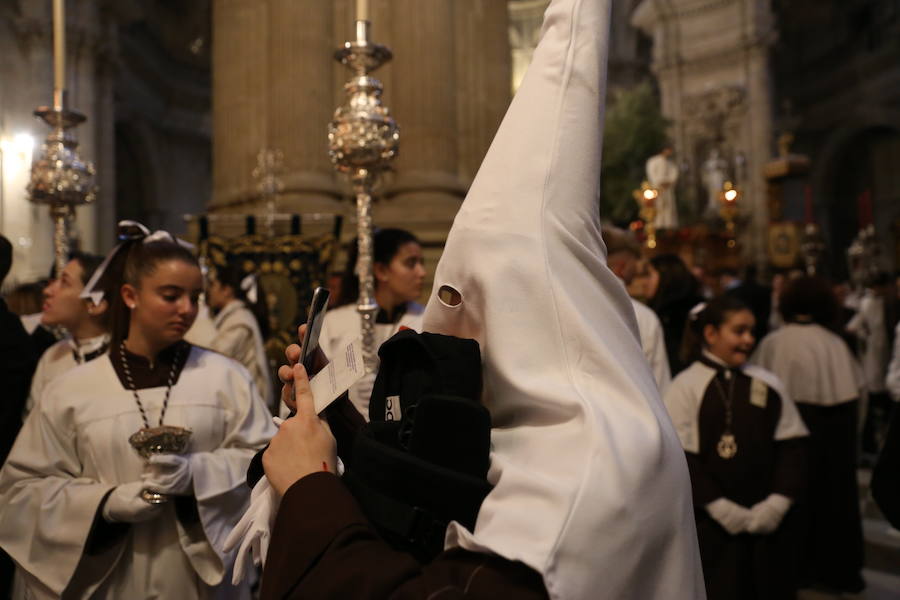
47, 507
219, 476
682, 400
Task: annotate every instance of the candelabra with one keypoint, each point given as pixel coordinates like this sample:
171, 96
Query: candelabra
59, 178
646, 200
728, 197
363, 139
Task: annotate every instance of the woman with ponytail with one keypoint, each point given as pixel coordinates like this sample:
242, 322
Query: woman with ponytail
82, 513
241, 318
745, 446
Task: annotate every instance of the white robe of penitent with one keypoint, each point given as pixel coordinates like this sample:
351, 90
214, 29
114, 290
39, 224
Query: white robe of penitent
238, 337
591, 485
74, 450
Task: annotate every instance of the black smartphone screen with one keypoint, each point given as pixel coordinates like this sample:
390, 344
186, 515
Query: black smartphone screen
317, 308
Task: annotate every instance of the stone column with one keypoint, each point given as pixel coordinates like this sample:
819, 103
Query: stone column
272, 88
483, 82
240, 98
300, 72
422, 94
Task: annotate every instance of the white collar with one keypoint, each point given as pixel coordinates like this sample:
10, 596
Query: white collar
85, 347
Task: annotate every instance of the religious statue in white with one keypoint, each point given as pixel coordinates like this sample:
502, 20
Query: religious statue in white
662, 173
715, 173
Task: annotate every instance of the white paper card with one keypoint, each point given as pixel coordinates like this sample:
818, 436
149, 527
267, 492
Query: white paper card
336, 378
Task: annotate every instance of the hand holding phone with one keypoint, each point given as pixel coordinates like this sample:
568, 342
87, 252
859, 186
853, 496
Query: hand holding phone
310, 342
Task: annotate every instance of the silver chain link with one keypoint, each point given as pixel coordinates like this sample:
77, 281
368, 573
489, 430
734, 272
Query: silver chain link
133, 387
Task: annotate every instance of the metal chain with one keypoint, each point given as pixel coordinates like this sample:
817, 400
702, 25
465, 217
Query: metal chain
726, 400
133, 387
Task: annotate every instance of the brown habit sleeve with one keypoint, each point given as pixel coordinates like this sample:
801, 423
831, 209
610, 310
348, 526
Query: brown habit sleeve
323, 547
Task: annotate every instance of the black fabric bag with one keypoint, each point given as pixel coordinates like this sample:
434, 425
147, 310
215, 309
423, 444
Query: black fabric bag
422, 459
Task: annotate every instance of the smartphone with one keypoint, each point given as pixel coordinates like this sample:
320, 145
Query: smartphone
317, 308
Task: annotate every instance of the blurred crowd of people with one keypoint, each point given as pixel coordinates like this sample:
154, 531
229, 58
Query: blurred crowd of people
779, 393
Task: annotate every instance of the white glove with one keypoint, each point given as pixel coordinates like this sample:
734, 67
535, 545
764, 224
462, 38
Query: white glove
169, 474
731, 516
125, 505
766, 515
254, 529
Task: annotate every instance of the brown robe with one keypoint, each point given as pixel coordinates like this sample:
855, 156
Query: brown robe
323, 547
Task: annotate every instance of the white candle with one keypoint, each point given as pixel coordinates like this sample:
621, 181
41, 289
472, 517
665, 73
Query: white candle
362, 10
59, 45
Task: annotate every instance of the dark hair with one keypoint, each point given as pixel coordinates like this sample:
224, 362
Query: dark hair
130, 265
5, 257
387, 243
809, 297
88, 262
230, 275
714, 313
676, 282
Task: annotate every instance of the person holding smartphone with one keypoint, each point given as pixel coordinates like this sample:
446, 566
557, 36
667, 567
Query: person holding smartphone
590, 493
399, 270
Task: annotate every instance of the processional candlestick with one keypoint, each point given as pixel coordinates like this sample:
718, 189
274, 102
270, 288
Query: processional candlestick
59, 177
646, 199
363, 139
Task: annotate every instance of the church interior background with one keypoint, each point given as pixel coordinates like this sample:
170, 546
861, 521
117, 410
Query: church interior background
182, 99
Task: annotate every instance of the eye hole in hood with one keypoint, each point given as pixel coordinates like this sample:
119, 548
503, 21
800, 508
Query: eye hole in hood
449, 296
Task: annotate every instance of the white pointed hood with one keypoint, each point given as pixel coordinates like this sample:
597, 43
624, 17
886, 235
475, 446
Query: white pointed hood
591, 483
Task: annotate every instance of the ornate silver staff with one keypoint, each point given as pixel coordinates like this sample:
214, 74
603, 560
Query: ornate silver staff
362, 140
59, 178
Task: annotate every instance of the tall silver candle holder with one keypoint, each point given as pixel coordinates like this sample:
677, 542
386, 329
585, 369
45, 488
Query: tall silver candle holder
59, 178
363, 139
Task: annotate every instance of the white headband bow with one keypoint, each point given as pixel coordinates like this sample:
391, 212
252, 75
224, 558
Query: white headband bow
128, 231
250, 288
695, 312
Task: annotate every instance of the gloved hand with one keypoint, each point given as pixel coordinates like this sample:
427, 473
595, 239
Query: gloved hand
125, 505
766, 515
733, 517
169, 474
253, 531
